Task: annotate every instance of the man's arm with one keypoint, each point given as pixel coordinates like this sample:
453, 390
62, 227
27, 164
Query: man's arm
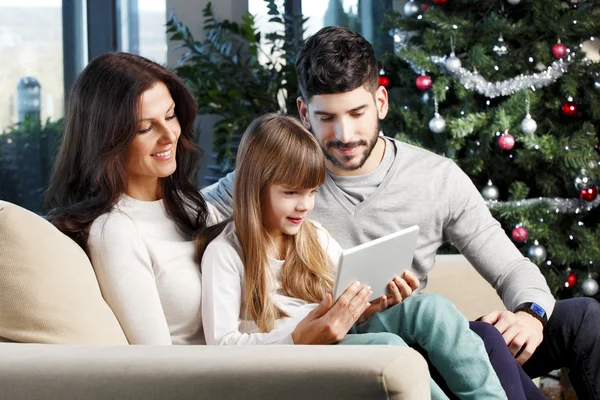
220, 195
480, 238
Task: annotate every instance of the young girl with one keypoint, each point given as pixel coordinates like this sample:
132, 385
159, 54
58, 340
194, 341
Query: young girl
267, 270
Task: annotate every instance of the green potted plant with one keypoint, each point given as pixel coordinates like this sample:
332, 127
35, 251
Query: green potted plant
235, 75
27, 152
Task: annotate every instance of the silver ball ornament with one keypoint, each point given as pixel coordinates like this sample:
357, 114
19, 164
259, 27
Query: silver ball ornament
437, 124
528, 125
411, 8
582, 181
453, 63
500, 48
589, 287
537, 253
597, 85
513, 2
490, 191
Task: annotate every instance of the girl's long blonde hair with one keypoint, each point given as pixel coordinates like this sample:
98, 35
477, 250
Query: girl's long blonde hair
277, 150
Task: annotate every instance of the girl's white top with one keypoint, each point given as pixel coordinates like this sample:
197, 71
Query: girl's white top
224, 293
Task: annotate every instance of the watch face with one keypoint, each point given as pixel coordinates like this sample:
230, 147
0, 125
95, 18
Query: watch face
538, 310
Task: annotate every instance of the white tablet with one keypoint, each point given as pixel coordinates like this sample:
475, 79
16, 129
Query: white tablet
375, 263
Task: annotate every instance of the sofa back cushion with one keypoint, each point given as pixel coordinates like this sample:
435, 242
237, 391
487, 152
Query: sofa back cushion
48, 290
455, 278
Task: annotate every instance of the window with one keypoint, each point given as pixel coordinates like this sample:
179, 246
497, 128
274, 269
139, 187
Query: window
32, 85
31, 97
362, 16
258, 8
330, 12
31, 48
143, 28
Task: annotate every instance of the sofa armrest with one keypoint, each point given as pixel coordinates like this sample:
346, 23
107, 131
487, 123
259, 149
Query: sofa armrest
180, 372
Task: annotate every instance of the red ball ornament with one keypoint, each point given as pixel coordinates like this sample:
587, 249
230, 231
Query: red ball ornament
569, 109
520, 234
383, 81
440, 2
572, 280
559, 50
589, 194
424, 82
425, 7
506, 141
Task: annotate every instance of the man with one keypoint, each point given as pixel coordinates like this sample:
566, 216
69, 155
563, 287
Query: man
376, 186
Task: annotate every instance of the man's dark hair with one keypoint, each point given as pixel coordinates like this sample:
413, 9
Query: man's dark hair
336, 60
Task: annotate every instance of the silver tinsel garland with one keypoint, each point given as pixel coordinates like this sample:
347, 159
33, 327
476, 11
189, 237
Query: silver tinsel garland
473, 81
559, 205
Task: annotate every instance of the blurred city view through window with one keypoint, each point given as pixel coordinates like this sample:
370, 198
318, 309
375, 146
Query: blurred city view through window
32, 56
32, 94
149, 22
31, 97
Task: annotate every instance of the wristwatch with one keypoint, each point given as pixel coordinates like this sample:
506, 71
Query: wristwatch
534, 310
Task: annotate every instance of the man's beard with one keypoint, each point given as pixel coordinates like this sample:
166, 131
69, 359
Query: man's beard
340, 145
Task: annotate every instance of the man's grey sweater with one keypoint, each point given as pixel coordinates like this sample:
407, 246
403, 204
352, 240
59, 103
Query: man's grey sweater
431, 191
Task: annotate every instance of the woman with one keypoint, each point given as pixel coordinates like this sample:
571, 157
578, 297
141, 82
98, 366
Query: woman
122, 189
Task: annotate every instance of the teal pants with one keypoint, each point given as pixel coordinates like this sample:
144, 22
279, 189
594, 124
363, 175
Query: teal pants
434, 323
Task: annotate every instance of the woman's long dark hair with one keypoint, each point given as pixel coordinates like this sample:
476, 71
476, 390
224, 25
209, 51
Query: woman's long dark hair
100, 122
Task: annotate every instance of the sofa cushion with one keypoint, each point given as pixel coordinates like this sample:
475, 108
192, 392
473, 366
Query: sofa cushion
48, 290
455, 278
273, 372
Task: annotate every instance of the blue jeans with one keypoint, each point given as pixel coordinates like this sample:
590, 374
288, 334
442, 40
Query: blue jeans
516, 383
571, 340
514, 380
433, 323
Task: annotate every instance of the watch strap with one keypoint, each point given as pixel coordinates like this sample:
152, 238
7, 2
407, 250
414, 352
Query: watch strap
534, 310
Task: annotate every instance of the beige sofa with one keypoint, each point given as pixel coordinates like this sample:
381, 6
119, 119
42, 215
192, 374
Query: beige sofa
203, 372
100, 367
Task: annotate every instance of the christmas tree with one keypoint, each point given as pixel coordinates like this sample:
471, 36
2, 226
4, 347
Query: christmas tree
510, 90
